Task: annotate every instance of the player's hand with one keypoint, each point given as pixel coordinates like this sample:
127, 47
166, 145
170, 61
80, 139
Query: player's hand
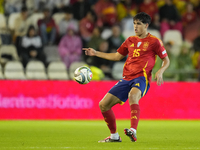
159, 77
89, 51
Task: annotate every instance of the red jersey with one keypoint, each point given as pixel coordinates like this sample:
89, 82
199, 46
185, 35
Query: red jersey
141, 56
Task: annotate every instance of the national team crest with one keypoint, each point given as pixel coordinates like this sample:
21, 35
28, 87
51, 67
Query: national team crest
145, 46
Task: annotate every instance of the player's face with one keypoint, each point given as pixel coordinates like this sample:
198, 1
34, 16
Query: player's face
140, 28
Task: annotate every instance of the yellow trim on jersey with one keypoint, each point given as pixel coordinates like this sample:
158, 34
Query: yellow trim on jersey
155, 58
145, 75
161, 43
124, 65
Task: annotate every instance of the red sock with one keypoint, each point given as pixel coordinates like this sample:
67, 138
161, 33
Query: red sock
110, 120
135, 115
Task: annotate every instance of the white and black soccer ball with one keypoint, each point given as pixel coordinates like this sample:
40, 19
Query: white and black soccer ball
83, 75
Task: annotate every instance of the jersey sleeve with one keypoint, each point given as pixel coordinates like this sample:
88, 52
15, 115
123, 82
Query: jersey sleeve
160, 49
123, 49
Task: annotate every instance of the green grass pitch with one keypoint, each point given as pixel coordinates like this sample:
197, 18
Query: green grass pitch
83, 135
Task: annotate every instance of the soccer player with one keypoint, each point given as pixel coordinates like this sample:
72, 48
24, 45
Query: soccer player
141, 50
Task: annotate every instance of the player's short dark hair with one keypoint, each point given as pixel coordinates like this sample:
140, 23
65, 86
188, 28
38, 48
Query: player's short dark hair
143, 17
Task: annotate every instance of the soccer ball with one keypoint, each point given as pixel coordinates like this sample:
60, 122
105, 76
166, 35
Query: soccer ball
83, 75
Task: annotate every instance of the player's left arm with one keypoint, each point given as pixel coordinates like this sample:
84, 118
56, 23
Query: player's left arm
159, 73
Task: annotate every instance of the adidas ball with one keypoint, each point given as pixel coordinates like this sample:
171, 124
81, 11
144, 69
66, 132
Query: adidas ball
83, 75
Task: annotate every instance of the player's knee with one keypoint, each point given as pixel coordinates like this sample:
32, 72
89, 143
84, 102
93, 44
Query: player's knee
133, 101
103, 107
134, 98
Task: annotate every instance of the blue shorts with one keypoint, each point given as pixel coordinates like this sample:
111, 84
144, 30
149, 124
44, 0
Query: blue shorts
123, 87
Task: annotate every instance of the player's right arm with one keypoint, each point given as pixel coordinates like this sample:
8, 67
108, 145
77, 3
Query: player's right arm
109, 56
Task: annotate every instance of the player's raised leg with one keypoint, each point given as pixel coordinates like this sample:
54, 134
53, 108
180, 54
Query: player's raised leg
105, 105
134, 97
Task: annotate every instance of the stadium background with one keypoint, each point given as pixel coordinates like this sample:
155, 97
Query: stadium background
50, 93
41, 107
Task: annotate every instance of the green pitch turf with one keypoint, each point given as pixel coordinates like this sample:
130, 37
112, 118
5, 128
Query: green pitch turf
83, 135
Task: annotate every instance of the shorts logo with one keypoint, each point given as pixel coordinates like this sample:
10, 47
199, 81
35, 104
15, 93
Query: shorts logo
134, 117
137, 84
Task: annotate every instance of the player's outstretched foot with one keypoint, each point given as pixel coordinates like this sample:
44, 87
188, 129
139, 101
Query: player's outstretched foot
131, 134
108, 139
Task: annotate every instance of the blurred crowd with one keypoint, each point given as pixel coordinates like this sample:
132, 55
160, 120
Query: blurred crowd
102, 25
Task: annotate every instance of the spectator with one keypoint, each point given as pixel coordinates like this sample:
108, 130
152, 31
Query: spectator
94, 42
53, 5
70, 47
80, 9
196, 55
32, 47
116, 39
86, 27
96, 38
47, 28
103, 64
196, 43
170, 72
36, 5
13, 6
6, 36
185, 63
190, 23
196, 6
68, 21
92, 2
169, 17
180, 5
138, 2
106, 13
160, 3
21, 24
149, 7
155, 24
72, 1
126, 9
190, 15
196, 62
58, 5
198, 67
